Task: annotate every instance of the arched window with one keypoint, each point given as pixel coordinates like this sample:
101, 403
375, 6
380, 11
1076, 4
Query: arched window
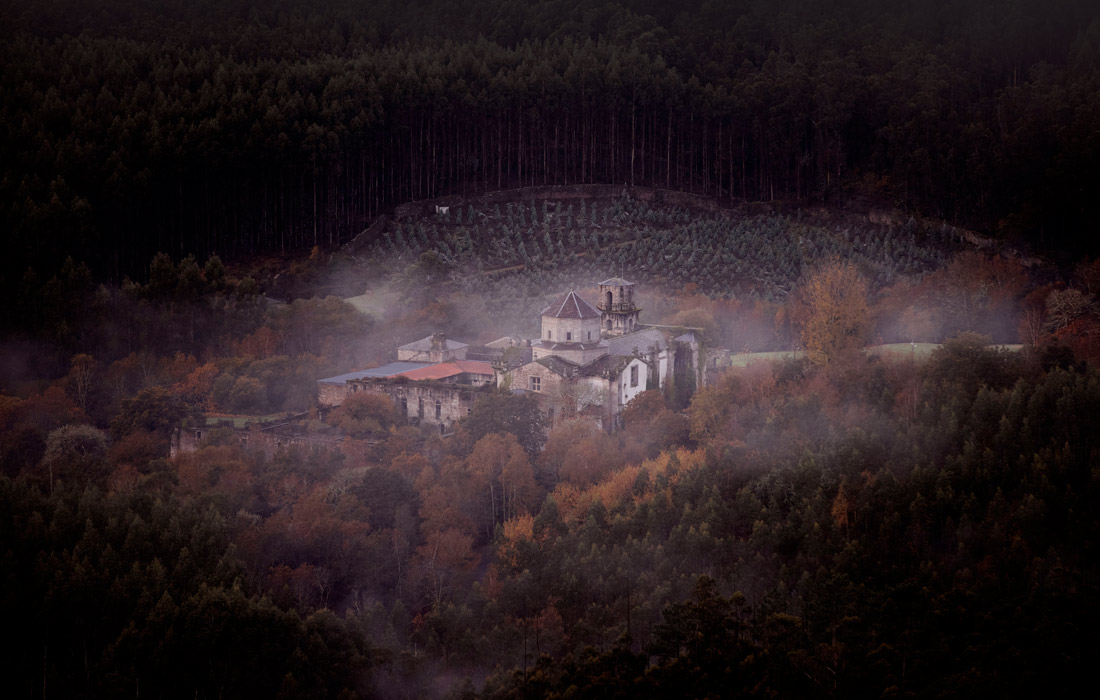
610, 299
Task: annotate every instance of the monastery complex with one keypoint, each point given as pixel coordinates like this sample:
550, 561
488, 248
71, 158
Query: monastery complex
588, 362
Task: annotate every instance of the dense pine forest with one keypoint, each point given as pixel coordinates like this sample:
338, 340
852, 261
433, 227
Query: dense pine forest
881, 210
232, 128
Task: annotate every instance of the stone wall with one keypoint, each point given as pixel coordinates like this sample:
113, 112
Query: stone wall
433, 403
331, 395
584, 330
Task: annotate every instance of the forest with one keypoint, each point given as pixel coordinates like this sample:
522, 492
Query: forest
881, 210
235, 129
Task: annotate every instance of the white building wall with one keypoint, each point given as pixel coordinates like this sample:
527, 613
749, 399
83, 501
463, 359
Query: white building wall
626, 391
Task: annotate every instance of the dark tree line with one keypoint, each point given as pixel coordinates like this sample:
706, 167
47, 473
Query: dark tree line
219, 127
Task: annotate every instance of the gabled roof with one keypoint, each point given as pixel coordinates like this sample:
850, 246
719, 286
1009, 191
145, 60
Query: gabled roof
449, 369
617, 282
390, 370
608, 365
559, 365
552, 345
507, 341
639, 341
426, 344
571, 306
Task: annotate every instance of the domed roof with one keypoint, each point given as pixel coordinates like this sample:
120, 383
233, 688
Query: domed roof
571, 306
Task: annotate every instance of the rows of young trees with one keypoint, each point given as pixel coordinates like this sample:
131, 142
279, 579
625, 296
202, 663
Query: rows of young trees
238, 129
529, 248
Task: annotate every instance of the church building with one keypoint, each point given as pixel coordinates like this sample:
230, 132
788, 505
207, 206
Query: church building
591, 361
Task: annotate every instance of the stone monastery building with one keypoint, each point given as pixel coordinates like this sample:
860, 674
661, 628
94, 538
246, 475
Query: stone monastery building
588, 361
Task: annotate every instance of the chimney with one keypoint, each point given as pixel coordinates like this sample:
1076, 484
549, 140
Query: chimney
439, 341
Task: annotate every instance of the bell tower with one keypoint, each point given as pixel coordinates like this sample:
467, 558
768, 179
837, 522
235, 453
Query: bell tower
618, 314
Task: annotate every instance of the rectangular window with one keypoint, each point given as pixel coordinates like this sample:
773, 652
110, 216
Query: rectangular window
569, 335
420, 408
438, 410
548, 335
634, 375
536, 383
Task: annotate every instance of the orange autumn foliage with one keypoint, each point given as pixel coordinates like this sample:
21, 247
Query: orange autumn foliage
618, 487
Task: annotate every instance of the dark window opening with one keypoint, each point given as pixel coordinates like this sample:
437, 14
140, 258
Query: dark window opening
438, 410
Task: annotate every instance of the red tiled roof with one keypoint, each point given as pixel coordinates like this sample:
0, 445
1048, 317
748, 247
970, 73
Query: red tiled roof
449, 369
571, 306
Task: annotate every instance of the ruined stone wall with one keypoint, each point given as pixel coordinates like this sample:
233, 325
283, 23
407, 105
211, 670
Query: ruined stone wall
332, 395
431, 355
434, 403
254, 439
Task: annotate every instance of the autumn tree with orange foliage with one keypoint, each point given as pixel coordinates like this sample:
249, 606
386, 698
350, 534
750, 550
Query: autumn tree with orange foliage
499, 466
833, 310
364, 413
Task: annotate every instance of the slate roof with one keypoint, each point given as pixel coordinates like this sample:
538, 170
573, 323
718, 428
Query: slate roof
617, 282
559, 365
602, 366
449, 369
507, 341
550, 345
426, 344
607, 365
571, 306
390, 370
641, 341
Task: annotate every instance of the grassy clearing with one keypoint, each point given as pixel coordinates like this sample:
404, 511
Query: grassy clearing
894, 351
376, 301
240, 420
748, 358
903, 351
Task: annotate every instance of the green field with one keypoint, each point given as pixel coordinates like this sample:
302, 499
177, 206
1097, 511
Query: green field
240, 420
917, 351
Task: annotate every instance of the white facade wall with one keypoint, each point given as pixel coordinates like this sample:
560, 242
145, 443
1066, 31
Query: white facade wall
628, 389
